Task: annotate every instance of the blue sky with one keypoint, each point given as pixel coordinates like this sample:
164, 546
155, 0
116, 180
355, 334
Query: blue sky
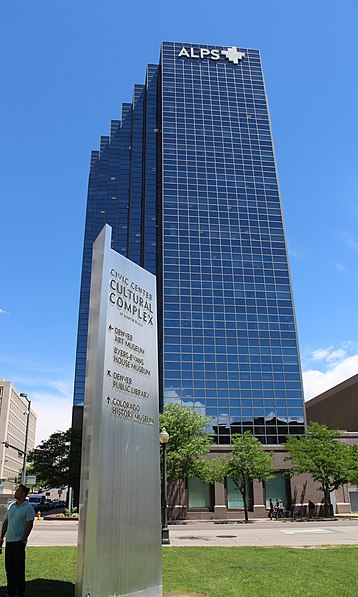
65, 70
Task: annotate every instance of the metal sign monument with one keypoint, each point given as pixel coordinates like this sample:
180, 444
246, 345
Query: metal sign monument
119, 532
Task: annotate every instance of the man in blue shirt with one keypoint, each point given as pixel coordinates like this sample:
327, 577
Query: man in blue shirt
17, 526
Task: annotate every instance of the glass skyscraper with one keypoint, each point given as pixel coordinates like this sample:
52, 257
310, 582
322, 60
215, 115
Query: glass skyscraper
187, 179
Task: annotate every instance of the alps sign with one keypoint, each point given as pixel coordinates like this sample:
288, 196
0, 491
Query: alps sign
232, 54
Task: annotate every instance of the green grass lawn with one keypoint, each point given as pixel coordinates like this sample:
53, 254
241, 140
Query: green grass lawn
262, 572
216, 571
49, 571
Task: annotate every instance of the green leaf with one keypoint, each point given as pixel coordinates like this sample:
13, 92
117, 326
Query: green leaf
56, 461
318, 452
188, 440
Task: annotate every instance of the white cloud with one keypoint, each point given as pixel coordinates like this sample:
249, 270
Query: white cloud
171, 394
341, 268
334, 354
315, 382
321, 353
3, 312
350, 240
54, 413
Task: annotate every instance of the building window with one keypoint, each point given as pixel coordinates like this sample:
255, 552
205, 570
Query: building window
277, 488
234, 496
199, 494
353, 498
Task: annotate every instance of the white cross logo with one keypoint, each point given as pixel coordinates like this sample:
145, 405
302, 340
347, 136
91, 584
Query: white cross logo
233, 54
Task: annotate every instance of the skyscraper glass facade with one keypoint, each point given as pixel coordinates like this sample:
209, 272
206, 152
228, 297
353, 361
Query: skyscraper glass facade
188, 181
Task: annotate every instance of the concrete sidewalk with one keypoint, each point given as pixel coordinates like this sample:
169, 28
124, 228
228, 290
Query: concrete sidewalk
268, 535
47, 533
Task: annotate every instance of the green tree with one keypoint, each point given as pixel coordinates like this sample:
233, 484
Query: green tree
56, 461
248, 462
213, 470
319, 453
188, 440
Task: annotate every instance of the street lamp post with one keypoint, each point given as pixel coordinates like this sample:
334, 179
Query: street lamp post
164, 438
24, 462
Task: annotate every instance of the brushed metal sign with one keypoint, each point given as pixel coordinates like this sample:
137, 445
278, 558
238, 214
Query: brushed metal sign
119, 544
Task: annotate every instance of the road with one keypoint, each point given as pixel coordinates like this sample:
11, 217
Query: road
258, 533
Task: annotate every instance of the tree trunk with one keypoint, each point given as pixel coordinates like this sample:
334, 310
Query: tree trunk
243, 493
327, 510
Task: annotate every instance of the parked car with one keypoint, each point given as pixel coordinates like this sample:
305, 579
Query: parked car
38, 501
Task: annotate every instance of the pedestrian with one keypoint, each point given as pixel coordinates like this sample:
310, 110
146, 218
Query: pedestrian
270, 509
275, 509
280, 509
311, 508
17, 526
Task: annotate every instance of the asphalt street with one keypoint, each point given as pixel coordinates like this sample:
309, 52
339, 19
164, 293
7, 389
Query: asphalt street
255, 533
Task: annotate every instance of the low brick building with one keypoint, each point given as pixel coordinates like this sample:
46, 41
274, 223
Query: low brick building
195, 500
338, 409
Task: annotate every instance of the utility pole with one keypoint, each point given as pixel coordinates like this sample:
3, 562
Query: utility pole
24, 462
